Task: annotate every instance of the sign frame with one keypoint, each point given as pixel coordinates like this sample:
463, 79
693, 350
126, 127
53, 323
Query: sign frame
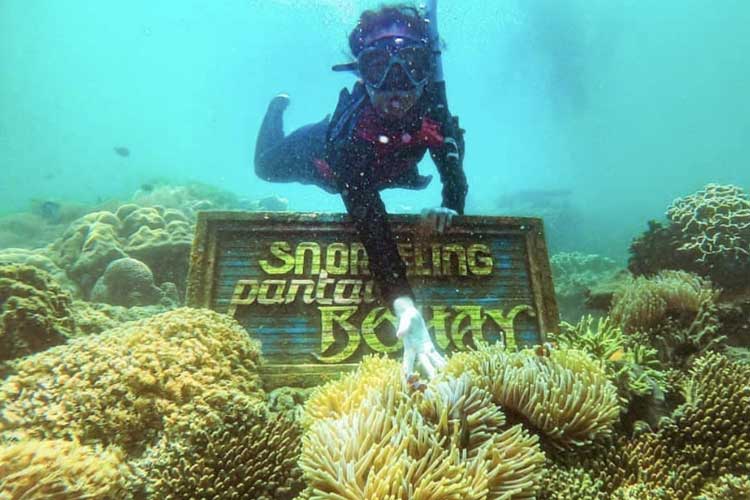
202, 283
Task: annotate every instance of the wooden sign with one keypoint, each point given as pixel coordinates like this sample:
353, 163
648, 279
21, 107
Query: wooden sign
300, 283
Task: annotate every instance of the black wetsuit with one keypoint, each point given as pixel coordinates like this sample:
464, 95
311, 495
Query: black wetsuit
341, 155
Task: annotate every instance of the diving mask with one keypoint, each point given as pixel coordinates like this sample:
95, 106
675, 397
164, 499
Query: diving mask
376, 61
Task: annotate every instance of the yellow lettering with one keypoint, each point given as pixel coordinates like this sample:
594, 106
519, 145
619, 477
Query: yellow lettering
245, 293
437, 324
291, 294
472, 315
337, 259
329, 318
278, 292
505, 322
359, 262
282, 251
299, 257
420, 265
355, 293
460, 253
374, 319
480, 259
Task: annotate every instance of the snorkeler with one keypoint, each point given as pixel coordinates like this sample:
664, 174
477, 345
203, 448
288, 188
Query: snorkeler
396, 111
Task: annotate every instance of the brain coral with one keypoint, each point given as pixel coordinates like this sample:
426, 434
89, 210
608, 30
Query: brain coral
61, 470
35, 313
240, 451
122, 386
126, 282
391, 443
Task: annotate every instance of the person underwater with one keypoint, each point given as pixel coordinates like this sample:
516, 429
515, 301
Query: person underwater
378, 133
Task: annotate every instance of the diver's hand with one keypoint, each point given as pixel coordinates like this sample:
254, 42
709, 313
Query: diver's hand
438, 219
417, 343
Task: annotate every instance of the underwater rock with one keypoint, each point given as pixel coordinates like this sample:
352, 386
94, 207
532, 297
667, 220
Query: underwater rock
92, 318
35, 312
123, 386
61, 470
127, 282
241, 451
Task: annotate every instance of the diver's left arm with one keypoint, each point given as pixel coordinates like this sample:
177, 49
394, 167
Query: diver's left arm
449, 156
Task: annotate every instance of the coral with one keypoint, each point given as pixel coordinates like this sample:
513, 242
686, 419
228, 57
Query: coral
124, 385
35, 313
445, 443
569, 483
127, 282
289, 400
631, 365
727, 487
165, 250
644, 303
715, 223
709, 234
61, 470
27, 230
641, 491
156, 236
92, 318
39, 259
566, 396
575, 275
241, 451
87, 247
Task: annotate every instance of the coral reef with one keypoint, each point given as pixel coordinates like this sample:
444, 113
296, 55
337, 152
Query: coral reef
575, 276
127, 282
62, 470
241, 451
708, 233
35, 313
565, 395
727, 487
123, 386
389, 442
27, 230
92, 318
632, 366
39, 259
158, 237
675, 309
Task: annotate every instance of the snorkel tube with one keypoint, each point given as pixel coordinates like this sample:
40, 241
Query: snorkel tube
432, 26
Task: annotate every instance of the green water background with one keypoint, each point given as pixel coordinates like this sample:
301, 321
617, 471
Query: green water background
624, 104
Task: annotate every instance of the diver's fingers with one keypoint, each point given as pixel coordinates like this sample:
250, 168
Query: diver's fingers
427, 365
437, 360
408, 363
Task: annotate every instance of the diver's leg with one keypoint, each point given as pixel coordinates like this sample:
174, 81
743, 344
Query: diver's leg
291, 158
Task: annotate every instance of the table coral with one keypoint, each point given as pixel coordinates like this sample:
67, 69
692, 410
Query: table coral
62, 470
122, 386
35, 313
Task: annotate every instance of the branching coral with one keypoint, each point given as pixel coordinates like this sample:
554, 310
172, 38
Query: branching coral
448, 443
62, 470
35, 313
565, 395
122, 386
241, 451
715, 222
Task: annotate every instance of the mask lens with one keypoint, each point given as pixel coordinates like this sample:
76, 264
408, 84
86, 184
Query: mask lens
416, 62
373, 64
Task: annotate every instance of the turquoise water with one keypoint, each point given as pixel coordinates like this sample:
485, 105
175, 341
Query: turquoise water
624, 104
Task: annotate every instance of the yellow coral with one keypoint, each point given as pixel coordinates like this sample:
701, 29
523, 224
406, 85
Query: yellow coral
61, 470
123, 385
383, 442
565, 395
239, 451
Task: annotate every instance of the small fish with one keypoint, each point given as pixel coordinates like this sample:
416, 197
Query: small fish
122, 151
617, 355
